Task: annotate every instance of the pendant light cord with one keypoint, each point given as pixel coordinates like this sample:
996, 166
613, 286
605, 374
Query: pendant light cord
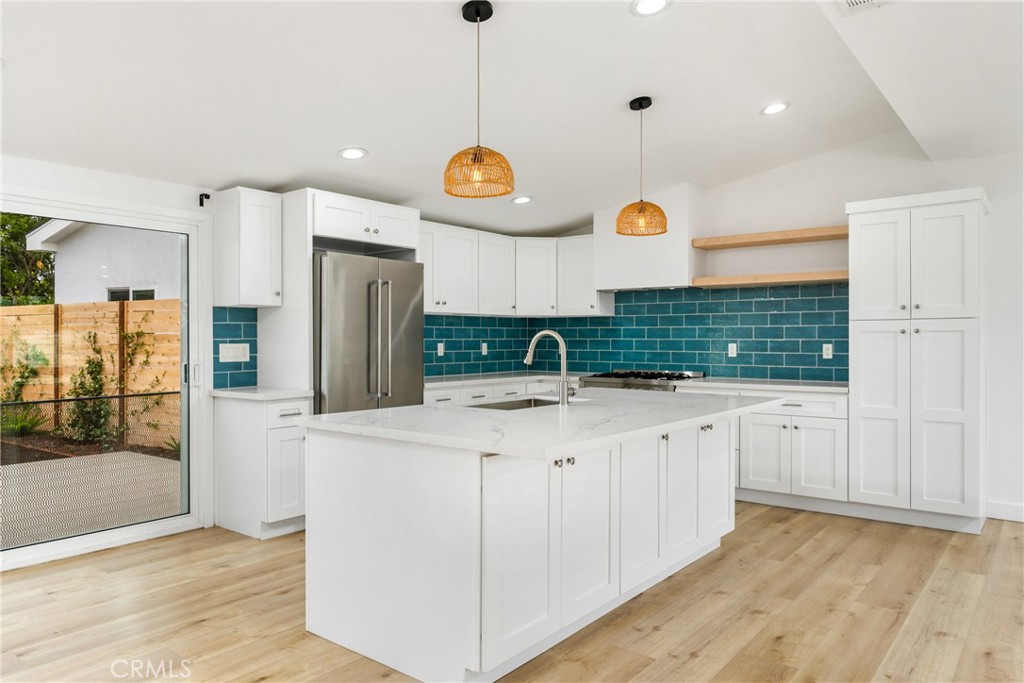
478, 81
641, 155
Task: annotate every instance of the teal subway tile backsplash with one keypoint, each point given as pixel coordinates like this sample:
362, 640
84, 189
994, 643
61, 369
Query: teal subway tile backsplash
778, 331
463, 337
234, 326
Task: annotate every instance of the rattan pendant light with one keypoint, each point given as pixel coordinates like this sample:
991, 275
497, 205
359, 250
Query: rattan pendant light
641, 218
478, 172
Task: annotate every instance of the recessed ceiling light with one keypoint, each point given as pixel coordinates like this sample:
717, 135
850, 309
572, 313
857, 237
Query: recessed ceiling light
775, 108
646, 8
352, 153
524, 199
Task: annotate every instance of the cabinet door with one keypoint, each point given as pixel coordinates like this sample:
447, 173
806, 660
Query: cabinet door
765, 446
590, 532
455, 269
820, 458
395, 225
945, 424
682, 453
341, 217
520, 567
880, 413
259, 257
642, 510
286, 473
425, 255
880, 265
715, 509
945, 262
576, 293
536, 267
497, 274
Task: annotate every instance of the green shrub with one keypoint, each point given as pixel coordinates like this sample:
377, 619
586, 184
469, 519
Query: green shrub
18, 420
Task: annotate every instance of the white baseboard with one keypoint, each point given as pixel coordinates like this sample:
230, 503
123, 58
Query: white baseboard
933, 520
1011, 512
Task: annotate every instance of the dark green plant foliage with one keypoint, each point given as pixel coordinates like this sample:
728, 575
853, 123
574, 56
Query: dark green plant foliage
90, 420
26, 276
17, 373
20, 420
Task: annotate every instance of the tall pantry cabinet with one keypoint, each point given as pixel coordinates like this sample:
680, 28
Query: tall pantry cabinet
916, 362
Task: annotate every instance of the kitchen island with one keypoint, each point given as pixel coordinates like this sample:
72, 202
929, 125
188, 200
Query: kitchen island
458, 542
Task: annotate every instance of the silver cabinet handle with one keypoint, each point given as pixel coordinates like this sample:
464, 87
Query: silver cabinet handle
479, 396
557, 463
792, 405
366, 230
796, 426
552, 308
444, 303
916, 306
902, 331
513, 305
785, 426
511, 393
592, 305
277, 293
571, 461
289, 413
917, 330
442, 400
903, 307
375, 231
664, 437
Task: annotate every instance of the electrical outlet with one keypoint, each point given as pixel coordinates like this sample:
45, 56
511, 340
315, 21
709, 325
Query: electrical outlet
440, 349
483, 348
732, 350
826, 351
233, 353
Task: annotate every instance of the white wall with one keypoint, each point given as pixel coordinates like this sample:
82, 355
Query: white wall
814, 192
96, 258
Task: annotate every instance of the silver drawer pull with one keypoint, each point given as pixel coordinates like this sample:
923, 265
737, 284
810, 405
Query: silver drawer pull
479, 396
442, 400
511, 393
792, 405
290, 413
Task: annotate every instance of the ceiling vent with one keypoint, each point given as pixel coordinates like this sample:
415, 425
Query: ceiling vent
849, 7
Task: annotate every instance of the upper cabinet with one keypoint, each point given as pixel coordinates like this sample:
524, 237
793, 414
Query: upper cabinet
247, 248
575, 283
916, 256
497, 274
536, 276
450, 268
339, 216
667, 260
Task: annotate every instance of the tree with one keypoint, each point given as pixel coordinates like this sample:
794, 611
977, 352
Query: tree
26, 277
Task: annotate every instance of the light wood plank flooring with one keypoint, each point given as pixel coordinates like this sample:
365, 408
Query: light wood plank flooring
790, 596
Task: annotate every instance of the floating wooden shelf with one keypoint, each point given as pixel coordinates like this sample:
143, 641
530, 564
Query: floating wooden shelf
772, 279
762, 239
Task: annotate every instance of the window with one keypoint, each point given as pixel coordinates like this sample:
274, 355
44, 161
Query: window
143, 294
124, 294
117, 294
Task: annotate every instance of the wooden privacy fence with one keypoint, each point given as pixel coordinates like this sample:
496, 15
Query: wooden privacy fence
140, 342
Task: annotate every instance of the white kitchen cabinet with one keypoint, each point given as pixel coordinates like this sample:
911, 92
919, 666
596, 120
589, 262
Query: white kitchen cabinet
247, 248
536, 276
915, 411
801, 455
921, 260
452, 255
590, 531
343, 217
497, 274
521, 582
260, 464
576, 294
676, 496
475, 393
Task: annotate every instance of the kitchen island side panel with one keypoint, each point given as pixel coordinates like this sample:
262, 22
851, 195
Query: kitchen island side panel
393, 552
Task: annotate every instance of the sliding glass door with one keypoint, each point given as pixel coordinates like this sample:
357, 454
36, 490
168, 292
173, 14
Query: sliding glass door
94, 407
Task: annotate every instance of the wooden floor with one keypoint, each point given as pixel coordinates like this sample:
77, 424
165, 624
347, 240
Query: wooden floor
790, 596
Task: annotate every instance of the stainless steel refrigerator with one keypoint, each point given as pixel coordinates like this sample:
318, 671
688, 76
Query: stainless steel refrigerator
367, 332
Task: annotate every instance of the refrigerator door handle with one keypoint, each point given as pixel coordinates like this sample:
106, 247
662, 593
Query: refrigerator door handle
387, 283
375, 389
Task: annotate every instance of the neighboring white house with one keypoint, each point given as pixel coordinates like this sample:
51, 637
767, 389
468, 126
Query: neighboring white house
109, 263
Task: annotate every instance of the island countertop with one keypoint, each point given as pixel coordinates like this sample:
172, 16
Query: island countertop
604, 417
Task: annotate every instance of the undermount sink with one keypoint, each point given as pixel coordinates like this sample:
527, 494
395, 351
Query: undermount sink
529, 402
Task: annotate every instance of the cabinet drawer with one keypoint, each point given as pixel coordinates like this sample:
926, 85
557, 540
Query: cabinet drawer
541, 387
286, 413
502, 390
441, 396
809, 405
476, 393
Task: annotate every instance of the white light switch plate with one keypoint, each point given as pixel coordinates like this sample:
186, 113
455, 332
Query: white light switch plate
483, 348
732, 350
826, 351
440, 349
233, 353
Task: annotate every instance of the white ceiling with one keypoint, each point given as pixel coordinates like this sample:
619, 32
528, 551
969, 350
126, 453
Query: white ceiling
264, 94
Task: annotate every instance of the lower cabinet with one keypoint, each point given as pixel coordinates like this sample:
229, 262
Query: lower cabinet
805, 456
550, 547
260, 466
676, 497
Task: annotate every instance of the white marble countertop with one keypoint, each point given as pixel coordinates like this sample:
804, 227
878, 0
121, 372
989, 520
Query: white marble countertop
262, 393
769, 384
609, 416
